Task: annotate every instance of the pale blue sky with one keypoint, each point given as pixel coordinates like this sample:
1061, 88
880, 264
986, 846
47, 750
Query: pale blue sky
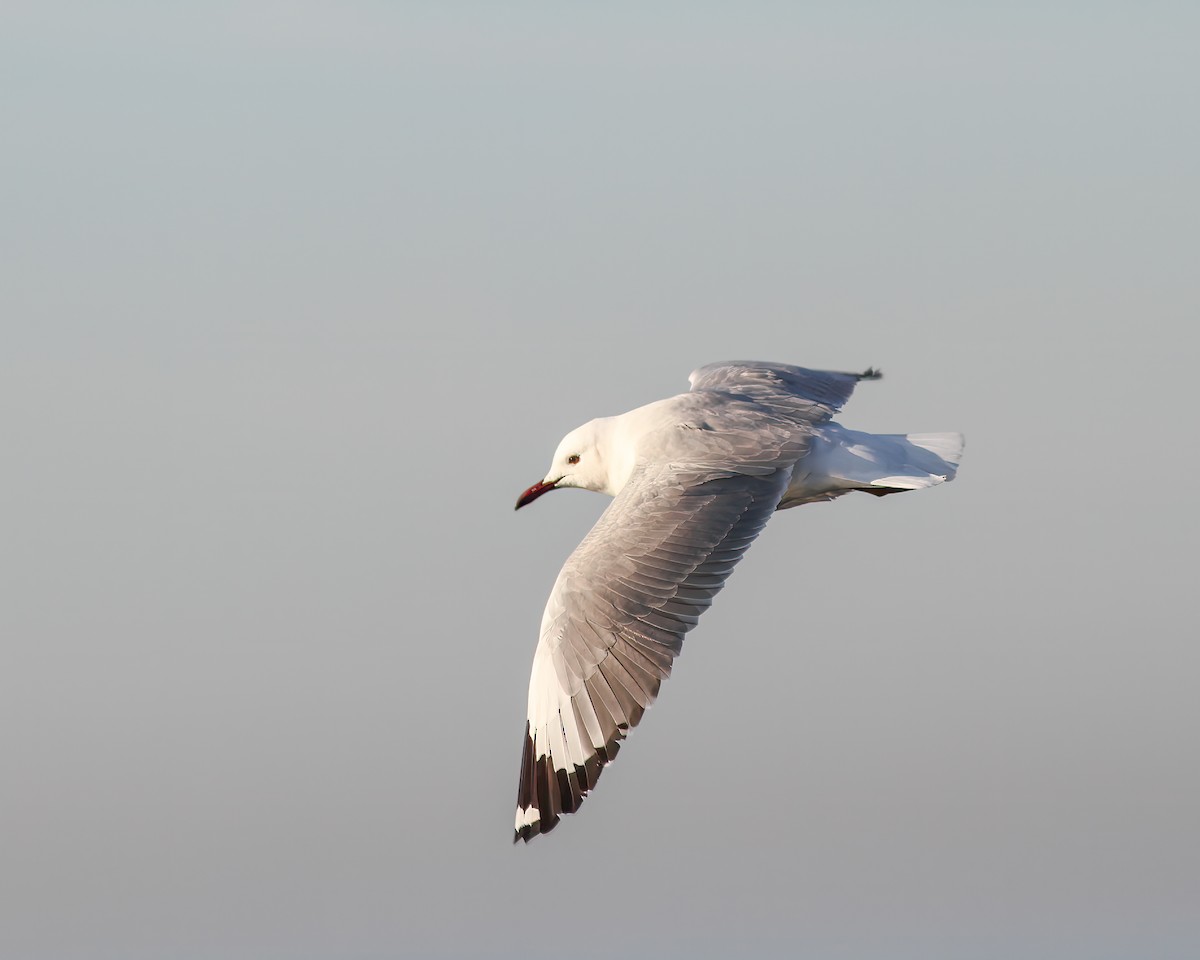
297, 298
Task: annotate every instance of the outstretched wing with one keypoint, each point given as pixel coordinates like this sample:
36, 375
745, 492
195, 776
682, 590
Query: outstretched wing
617, 615
780, 383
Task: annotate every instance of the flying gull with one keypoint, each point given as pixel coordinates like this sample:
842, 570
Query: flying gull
695, 478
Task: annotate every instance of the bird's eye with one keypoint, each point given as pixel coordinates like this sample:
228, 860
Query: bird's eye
573, 458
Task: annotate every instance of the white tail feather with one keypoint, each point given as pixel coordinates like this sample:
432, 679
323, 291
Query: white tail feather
842, 460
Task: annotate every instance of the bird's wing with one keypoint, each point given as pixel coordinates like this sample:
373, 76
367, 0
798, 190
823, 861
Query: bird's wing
619, 609
781, 385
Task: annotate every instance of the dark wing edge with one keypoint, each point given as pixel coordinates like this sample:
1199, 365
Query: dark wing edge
755, 378
616, 620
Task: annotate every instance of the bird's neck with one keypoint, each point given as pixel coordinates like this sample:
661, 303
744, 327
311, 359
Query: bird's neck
620, 438
616, 447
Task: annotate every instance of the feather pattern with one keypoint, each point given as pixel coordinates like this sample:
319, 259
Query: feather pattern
608, 639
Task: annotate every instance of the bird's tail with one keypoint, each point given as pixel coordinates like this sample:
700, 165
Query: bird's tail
843, 460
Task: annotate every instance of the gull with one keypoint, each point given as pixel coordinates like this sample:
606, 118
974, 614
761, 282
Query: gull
694, 479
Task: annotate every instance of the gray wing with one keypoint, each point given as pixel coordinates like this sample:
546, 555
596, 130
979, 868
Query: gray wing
780, 383
617, 615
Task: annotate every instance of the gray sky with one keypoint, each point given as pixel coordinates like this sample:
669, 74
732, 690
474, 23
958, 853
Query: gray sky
297, 298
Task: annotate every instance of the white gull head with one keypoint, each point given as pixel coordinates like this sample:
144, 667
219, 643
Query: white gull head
584, 459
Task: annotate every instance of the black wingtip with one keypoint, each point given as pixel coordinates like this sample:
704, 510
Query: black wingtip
526, 833
871, 374
552, 793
